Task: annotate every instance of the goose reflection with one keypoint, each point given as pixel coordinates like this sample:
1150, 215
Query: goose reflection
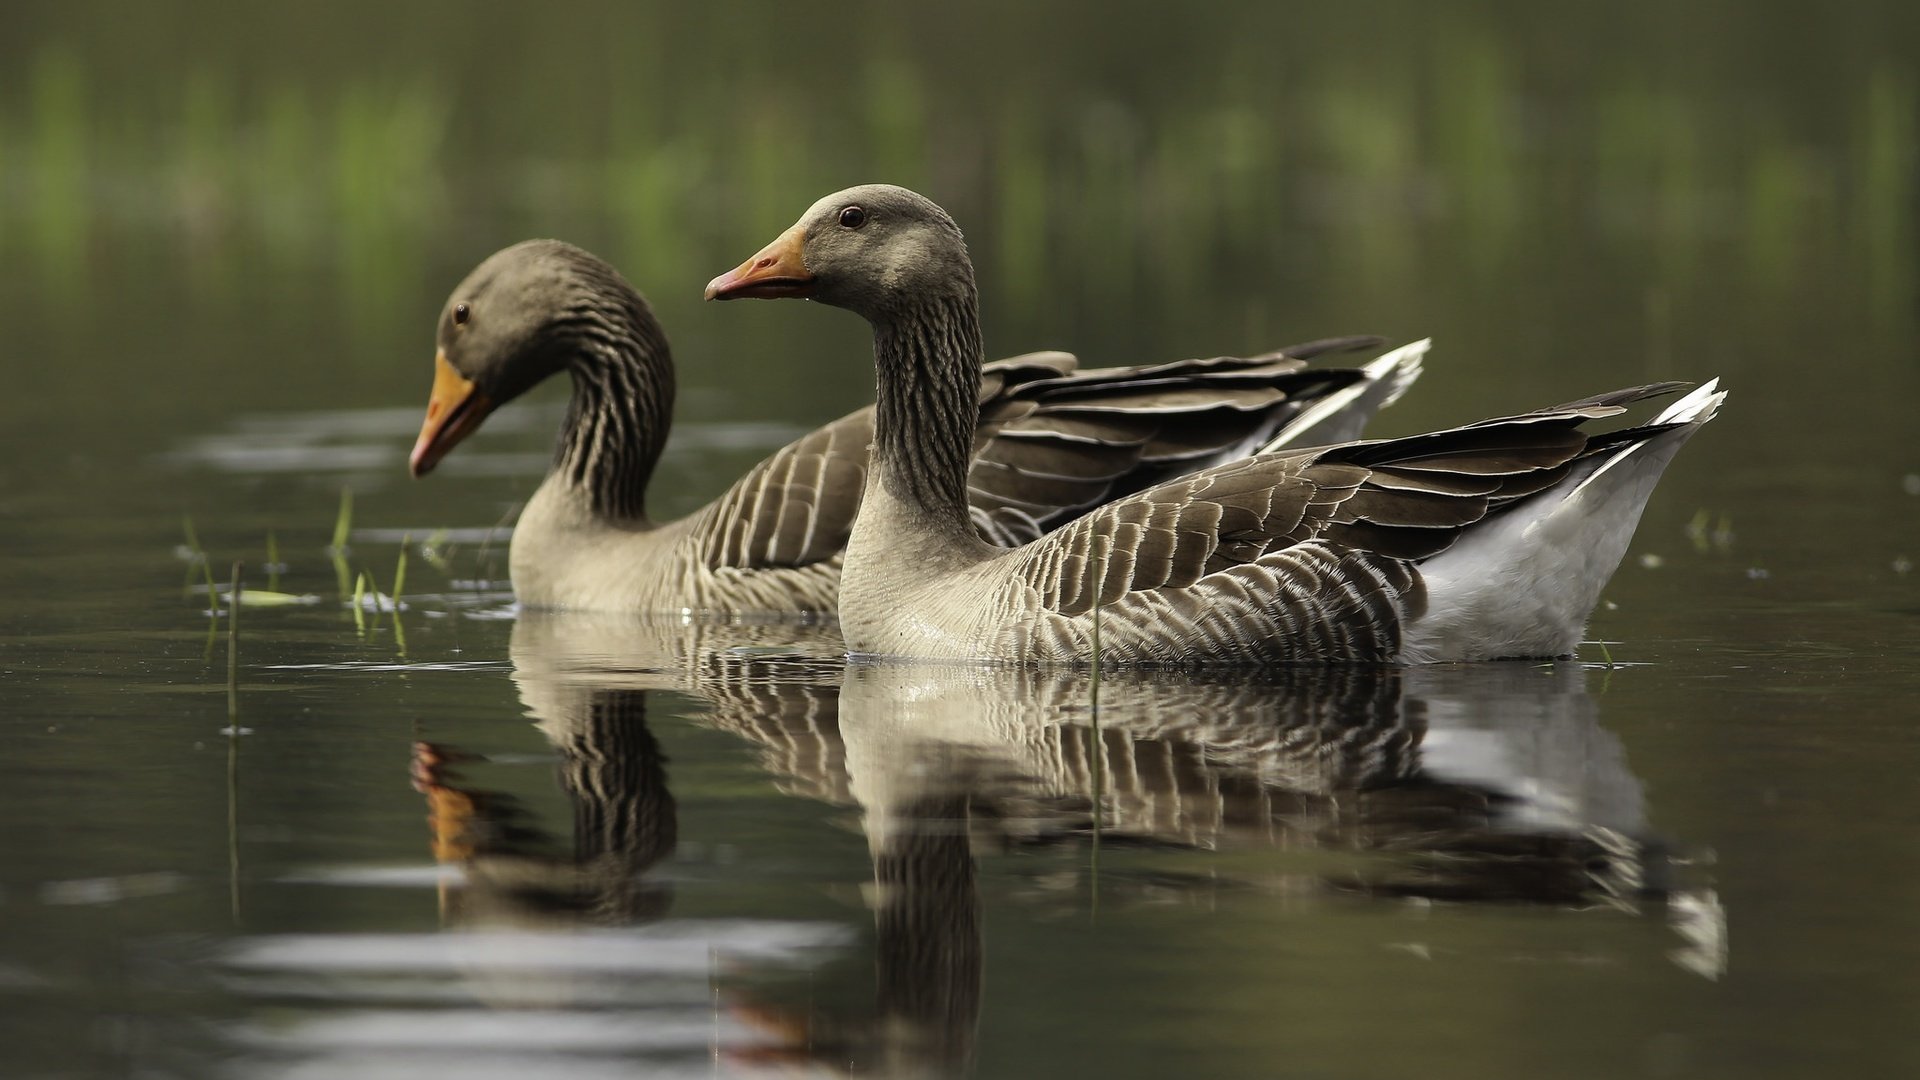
1491, 783
1484, 783
584, 681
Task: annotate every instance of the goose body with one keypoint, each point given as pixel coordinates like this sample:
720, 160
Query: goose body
1486, 541
1048, 441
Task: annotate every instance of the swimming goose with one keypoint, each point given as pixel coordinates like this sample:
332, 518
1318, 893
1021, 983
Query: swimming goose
1486, 541
1048, 442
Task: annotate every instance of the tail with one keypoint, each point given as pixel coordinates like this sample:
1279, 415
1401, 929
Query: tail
1524, 581
1342, 415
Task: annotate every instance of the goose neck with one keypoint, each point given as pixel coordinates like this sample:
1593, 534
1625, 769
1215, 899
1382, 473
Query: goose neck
927, 368
621, 410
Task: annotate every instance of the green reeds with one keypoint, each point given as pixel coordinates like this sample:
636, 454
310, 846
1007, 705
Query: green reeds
196, 554
365, 587
343, 522
337, 551
359, 611
399, 583
400, 570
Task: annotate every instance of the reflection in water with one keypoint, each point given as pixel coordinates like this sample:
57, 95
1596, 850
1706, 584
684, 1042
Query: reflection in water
614, 776
1489, 783
584, 681
556, 959
1486, 783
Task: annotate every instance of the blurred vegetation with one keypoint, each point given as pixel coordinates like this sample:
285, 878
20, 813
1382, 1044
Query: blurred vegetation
1698, 143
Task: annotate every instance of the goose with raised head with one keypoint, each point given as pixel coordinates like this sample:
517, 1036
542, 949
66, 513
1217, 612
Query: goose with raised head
1481, 542
1047, 442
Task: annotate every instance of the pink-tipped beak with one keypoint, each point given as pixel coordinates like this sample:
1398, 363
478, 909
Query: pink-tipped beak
776, 271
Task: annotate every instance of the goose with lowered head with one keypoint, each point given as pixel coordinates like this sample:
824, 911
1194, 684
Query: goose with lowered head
1481, 542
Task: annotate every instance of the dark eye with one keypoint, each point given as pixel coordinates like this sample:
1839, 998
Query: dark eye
459, 314
853, 217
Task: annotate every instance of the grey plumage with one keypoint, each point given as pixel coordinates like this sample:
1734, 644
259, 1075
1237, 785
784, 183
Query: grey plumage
1296, 555
1039, 442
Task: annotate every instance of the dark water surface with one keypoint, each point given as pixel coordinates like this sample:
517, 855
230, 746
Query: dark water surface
468, 843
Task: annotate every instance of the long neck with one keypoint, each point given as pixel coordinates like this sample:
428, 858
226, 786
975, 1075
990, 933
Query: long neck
622, 403
927, 403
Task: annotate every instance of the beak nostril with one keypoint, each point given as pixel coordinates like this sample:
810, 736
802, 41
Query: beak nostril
763, 263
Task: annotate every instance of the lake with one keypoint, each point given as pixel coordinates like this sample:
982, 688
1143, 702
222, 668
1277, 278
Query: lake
461, 839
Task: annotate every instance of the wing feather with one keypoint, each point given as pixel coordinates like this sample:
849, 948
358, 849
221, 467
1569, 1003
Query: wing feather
1370, 509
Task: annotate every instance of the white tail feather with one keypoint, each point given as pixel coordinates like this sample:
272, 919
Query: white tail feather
1524, 583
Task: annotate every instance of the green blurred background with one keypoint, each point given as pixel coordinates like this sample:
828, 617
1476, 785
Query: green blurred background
1647, 180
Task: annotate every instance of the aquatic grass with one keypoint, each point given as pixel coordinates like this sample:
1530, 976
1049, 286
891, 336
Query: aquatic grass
337, 550
195, 555
359, 608
343, 521
399, 583
400, 569
233, 650
342, 575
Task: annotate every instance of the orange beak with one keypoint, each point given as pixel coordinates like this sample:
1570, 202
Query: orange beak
455, 408
777, 271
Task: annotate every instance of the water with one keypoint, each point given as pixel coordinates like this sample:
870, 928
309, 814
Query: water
465, 842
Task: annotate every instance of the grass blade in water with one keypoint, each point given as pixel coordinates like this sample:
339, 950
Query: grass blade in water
343, 524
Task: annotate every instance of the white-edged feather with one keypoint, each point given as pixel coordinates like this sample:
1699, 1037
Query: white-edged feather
1524, 583
1342, 416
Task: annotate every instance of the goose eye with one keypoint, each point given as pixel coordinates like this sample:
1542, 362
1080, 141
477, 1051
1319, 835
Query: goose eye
853, 217
459, 314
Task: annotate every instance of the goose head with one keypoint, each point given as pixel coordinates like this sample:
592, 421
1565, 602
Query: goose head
511, 324
875, 250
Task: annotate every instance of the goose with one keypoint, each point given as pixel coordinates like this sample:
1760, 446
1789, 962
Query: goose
1482, 542
1050, 440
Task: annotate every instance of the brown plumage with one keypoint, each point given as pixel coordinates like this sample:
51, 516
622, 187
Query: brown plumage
1478, 542
1048, 440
